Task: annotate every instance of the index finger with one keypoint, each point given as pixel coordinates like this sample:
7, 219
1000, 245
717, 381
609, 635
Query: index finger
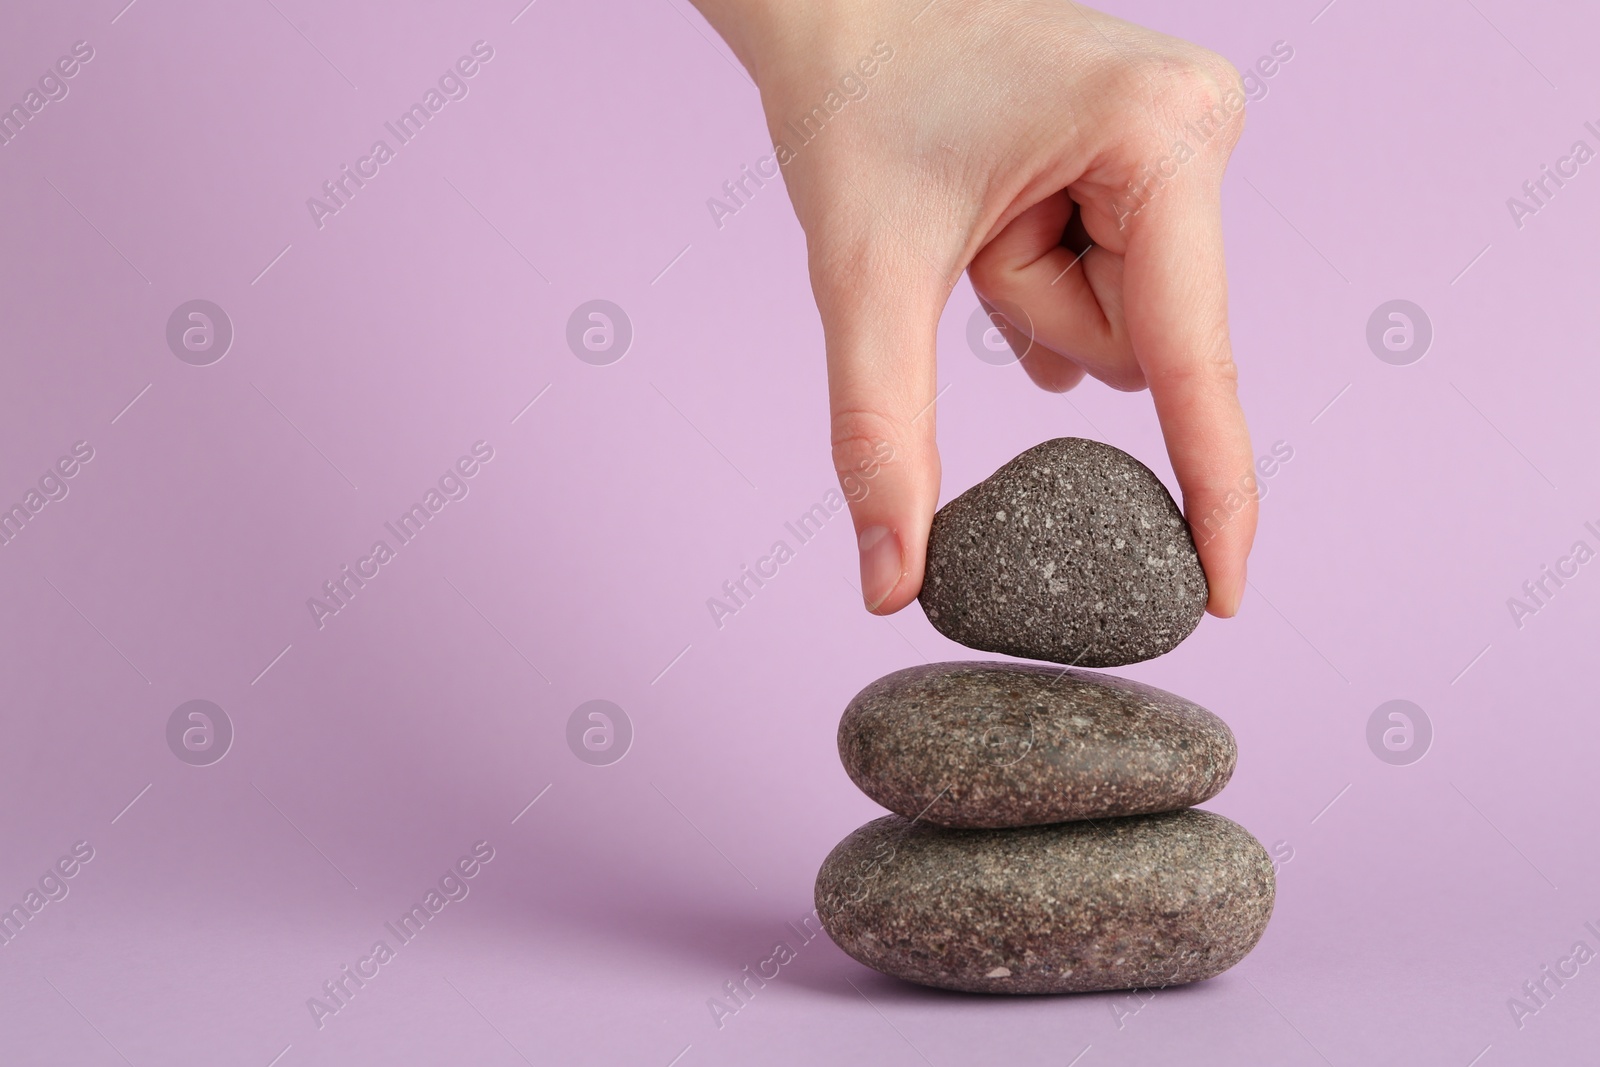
1176, 288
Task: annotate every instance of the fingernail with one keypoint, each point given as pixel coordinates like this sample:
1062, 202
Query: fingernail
1230, 607
880, 565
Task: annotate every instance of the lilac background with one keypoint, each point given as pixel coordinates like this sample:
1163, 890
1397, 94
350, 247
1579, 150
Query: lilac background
424, 717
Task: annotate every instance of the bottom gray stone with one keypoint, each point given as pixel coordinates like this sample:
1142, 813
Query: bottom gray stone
1131, 903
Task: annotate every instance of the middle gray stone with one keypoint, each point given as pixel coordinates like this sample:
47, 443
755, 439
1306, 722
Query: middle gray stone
1009, 744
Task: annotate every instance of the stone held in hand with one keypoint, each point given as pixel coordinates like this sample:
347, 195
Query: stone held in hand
1073, 552
1138, 902
985, 744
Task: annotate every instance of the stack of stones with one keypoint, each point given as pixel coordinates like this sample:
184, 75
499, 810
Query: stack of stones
1044, 839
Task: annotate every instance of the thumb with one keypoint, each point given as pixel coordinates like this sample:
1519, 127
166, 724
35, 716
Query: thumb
880, 313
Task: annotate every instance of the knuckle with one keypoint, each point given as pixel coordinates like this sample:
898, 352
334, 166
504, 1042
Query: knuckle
1140, 80
1213, 369
1222, 73
1201, 94
864, 440
1226, 372
1199, 72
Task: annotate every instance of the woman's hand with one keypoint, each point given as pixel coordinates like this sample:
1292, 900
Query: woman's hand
1071, 163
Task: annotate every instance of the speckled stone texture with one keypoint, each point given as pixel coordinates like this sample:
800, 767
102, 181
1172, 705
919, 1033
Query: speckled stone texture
1013, 744
1074, 552
1138, 902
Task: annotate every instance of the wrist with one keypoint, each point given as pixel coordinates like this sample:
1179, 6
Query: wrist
762, 32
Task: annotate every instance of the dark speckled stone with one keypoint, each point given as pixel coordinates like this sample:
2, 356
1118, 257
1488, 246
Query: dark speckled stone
1012, 744
1074, 552
1138, 902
